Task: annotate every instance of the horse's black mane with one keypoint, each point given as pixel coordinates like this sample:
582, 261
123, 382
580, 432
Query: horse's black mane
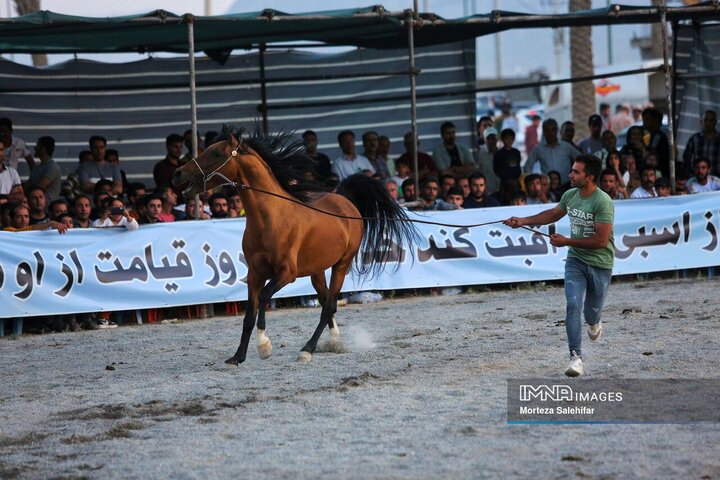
285, 155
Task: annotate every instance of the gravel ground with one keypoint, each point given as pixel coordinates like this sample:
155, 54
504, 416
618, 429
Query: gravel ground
419, 393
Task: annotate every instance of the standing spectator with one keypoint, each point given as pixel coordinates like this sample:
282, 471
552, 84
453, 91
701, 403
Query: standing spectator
647, 187
506, 161
531, 134
593, 142
349, 163
165, 169
703, 181
609, 184
609, 144
486, 159
631, 175
15, 147
605, 117
8, 175
534, 190
634, 145
451, 158
81, 211
46, 174
483, 124
567, 134
37, 203
552, 154
322, 161
90, 173
612, 162
384, 153
704, 144
637, 110
622, 119
187, 141
478, 197
426, 165
655, 139
112, 156
370, 151
589, 263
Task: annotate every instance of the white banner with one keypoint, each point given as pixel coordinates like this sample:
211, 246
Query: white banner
188, 263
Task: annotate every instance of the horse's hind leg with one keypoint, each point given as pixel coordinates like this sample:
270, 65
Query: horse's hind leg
329, 307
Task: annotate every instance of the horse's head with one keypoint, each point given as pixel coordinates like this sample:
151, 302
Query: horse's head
215, 166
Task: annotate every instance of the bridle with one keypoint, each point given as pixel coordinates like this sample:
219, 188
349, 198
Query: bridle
216, 172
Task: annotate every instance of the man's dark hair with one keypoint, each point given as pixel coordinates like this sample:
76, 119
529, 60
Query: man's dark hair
112, 152
345, 132
530, 179
701, 160
368, 133
447, 175
476, 175
101, 183
653, 113
425, 181
96, 138
83, 153
549, 122
609, 171
484, 118
646, 168
406, 182
144, 201
173, 138
6, 122
133, 189
308, 132
58, 201
78, 197
48, 144
454, 191
215, 196
446, 125
62, 217
593, 166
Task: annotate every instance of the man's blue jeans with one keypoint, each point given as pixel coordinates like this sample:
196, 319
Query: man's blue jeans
585, 290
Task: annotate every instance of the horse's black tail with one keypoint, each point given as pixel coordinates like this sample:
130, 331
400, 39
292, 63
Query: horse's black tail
388, 231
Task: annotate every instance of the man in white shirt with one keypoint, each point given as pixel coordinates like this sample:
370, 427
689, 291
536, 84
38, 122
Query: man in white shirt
8, 176
349, 163
15, 148
703, 181
647, 188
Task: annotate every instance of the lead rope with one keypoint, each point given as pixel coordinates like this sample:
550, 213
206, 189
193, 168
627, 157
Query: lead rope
216, 173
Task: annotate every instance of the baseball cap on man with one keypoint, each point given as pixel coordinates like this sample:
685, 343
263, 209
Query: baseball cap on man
489, 131
595, 119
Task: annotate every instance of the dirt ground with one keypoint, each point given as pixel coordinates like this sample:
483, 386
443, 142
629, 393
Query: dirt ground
420, 392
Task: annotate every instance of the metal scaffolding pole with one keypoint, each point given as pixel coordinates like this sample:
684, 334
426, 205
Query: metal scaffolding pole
263, 90
668, 91
411, 15
193, 98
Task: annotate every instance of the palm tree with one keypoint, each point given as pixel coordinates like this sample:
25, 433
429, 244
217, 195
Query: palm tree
581, 65
25, 7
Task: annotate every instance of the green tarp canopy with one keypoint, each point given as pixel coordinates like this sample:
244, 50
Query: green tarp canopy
371, 27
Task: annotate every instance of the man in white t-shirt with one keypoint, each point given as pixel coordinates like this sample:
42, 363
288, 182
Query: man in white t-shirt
15, 148
349, 163
702, 181
647, 187
8, 176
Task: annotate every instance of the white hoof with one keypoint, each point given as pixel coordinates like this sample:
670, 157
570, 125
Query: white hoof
304, 357
265, 350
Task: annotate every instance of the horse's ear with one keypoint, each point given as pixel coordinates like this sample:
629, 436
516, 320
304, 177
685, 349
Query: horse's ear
235, 142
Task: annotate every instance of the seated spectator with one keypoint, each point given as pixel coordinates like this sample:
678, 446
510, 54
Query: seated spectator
66, 219
5, 209
630, 176
191, 213
46, 174
464, 184
90, 173
116, 216
662, 187
533, 190
371, 145
612, 162
609, 183
408, 191
507, 192
634, 145
8, 176
81, 211
455, 196
545, 184
446, 181
169, 202
15, 147
506, 161
235, 204
451, 158
486, 159
135, 192
165, 169
384, 153
519, 199
703, 181
426, 165
392, 188
349, 163
478, 197
37, 203
681, 178
403, 173
20, 222
219, 206
555, 186
647, 186
652, 161
429, 191
98, 209
609, 144
58, 207
112, 156
151, 209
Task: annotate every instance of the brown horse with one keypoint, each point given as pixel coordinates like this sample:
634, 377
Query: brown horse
293, 230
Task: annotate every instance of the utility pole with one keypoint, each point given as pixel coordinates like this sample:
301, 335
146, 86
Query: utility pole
498, 47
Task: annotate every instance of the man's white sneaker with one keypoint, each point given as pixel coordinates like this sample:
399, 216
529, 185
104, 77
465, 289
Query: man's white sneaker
575, 369
595, 331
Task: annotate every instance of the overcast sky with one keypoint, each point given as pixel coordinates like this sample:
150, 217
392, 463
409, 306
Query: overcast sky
524, 50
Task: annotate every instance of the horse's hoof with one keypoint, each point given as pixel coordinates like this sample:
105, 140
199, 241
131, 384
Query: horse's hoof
265, 350
304, 357
233, 361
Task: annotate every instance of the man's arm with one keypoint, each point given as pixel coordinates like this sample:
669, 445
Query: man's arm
543, 218
597, 241
30, 161
532, 159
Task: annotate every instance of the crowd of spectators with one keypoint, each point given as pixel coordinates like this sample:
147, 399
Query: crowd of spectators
454, 176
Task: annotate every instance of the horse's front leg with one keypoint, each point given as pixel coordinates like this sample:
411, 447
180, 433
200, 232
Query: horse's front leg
254, 286
264, 347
